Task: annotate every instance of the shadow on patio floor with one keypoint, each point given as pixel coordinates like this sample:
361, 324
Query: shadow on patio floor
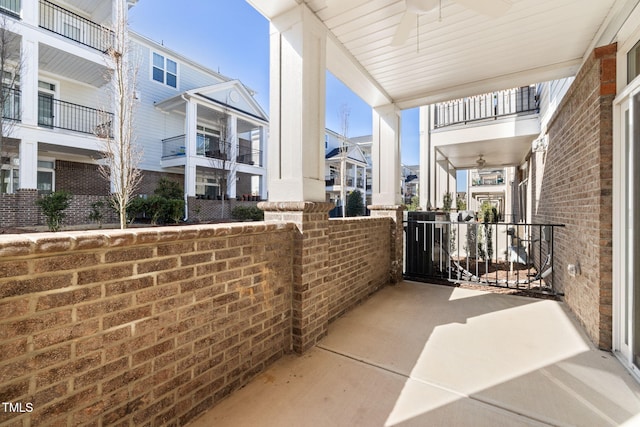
427, 355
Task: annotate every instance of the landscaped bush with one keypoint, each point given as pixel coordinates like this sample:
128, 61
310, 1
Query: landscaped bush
247, 213
53, 206
166, 206
355, 206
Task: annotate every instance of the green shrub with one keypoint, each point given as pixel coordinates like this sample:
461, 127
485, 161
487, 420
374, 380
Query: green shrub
169, 189
136, 207
53, 206
96, 214
355, 206
247, 213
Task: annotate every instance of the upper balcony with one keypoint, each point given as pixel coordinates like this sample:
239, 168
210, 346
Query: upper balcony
517, 101
208, 148
57, 114
499, 126
11, 7
74, 27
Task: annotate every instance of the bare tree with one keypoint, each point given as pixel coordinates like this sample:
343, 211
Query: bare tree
121, 154
223, 154
343, 115
11, 65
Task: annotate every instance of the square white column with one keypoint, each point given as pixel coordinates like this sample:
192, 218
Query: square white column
296, 144
190, 131
29, 82
385, 152
28, 169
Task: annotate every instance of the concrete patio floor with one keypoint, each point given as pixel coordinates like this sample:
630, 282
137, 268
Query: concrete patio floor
427, 355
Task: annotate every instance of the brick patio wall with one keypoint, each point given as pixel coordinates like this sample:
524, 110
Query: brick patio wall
139, 327
356, 248
153, 326
575, 189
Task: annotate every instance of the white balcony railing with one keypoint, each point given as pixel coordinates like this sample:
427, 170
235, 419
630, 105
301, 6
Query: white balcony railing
516, 101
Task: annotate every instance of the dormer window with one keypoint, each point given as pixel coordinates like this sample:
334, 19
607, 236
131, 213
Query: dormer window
165, 70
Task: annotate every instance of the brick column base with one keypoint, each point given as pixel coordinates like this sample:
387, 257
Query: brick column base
310, 317
395, 212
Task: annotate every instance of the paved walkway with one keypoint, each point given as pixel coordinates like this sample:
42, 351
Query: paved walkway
426, 355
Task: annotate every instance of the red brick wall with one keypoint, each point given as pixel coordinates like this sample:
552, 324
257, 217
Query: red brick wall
575, 178
140, 327
357, 248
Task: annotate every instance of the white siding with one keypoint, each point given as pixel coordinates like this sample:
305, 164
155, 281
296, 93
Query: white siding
551, 95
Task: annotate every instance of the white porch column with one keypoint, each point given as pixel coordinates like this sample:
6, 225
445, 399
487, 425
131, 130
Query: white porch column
264, 134
30, 12
232, 133
29, 82
298, 67
28, 169
190, 132
386, 156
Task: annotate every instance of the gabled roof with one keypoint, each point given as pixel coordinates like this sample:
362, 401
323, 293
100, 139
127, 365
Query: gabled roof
231, 94
353, 155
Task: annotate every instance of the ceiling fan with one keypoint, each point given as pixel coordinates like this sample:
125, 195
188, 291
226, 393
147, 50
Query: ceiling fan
492, 8
481, 162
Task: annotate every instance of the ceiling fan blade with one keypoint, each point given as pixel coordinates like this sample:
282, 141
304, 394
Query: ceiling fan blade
405, 26
492, 8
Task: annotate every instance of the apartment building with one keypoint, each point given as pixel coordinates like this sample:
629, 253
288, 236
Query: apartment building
346, 170
193, 125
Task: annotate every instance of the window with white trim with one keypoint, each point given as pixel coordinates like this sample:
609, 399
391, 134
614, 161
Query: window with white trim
164, 70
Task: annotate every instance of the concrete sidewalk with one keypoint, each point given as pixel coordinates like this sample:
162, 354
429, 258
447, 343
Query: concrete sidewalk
426, 355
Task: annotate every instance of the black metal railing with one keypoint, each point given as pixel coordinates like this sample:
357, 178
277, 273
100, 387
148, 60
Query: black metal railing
508, 255
75, 27
54, 113
11, 7
249, 157
11, 109
494, 105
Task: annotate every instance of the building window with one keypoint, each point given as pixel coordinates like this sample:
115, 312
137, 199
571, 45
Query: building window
208, 142
165, 70
46, 176
633, 62
10, 178
207, 188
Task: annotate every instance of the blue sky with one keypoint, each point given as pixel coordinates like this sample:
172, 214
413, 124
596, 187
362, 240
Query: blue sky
230, 36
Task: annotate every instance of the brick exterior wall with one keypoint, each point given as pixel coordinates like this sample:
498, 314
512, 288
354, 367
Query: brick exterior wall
572, 184
356, 248
80, 179
140, 327
150, 180
208, 210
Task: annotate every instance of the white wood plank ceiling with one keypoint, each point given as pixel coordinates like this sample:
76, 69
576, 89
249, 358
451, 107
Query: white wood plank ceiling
454, 51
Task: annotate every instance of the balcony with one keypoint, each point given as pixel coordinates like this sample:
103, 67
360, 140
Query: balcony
74, 27
349, 181
11, 99
11, 7
176, 147
518, 101
54, 113
485, 178
450, 356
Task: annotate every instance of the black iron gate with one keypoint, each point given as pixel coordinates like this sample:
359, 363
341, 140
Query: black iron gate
508, 255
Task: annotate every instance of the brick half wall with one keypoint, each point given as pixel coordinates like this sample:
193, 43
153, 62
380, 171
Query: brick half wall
140, 327
357, 250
